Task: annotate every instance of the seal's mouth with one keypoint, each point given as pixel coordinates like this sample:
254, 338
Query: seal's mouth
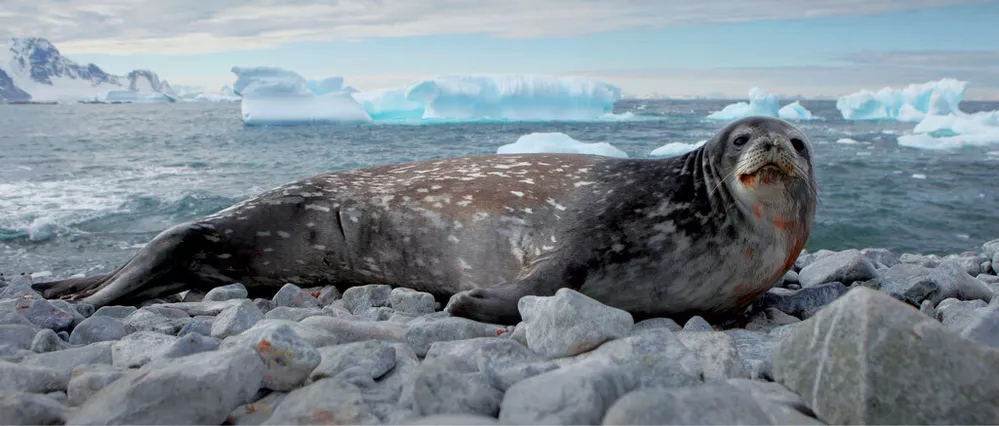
766, 174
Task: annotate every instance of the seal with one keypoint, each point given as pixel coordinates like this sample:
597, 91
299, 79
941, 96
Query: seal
705, 233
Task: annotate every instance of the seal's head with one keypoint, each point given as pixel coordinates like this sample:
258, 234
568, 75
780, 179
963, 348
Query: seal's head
766, 164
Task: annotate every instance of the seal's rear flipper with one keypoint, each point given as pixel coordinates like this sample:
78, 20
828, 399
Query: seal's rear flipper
69, 288
496, 305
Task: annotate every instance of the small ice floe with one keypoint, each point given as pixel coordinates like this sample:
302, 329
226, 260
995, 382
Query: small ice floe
847, 141
918, 176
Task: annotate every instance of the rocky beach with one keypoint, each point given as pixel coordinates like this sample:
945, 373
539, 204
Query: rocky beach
854, 336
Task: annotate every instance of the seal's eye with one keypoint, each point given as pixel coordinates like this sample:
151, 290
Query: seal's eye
798, 144
741, 140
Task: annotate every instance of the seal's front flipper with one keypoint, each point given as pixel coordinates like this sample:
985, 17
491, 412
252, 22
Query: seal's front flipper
496, 305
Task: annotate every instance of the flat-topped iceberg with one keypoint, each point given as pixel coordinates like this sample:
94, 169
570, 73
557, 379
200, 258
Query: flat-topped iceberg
912, 103
952, 131
763, 104
132, 97
324, 86
389, 104
513, 97
557, 142
277, 97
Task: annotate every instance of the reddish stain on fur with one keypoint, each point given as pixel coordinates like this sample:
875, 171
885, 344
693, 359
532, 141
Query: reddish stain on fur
756, 211
264, 346
748, 180
782, 224
748, 253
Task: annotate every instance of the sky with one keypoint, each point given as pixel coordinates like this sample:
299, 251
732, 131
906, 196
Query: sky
667, 47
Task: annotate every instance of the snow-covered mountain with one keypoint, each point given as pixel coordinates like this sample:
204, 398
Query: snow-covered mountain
32, 69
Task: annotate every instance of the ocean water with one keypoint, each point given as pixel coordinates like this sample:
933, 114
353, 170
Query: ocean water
82, 187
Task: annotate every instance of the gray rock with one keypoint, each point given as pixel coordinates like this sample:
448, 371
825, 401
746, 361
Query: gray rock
120, 312
21, 408
983, 327
66, 360
756, 349
265, 305
373, 356
79, 312
380, 313
200, 389
717, 352
328, 295
881, 258
504, 361
655, 358
137, 349
327, 401
519, 334
59, 396
927, 308
288, 358
914, 283
972, 264
930, 261
257, 412
957, 314
10, 316
991, 248
912, 370
346, 331
194, 295
203, 308
421, 336
367, 296
401, 318
570, 323
226, 292
168, 311
412, 302
572, 395
803, 303
15, 337
731, 402
985, 267
391, 398
201, 324
315, 337
654, 323
87, 380
453, 420
446, 385
236, 319
19, 292
147, 320
955, 282
47, 340
696, 323
844, 267
790, 277
97, 329
188, 344
44, 314
293, 296
293, 314
990, 280
769, 319
30, 378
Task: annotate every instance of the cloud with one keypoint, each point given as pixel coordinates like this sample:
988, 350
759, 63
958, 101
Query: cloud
929, 59
205, 26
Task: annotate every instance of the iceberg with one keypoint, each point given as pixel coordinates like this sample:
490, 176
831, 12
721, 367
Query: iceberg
274, 96
794, 111
760, 103
513, 97
954, 131
329, 85
132, 97
387, 104
911, 104
557, 142
674, 149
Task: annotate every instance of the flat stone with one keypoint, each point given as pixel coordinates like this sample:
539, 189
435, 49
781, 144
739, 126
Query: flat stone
86, 380
30, 378
201, 389
327, 401
194, 309
570, 323
504, 361
21, 408
168, 311
137, 349
120, 312
717, 352
445, 385
412, 302
942, 377
421, 336
293, 296
844, 267
47, 340
236, 319
226, 292
66, 360
696, 323
654, 323
655, 358
346, 330
293, 314
367, 296
373, 356
97, 329
257, 412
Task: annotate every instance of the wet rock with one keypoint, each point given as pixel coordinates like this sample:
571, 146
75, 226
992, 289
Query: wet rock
97, 329
983, 326
288, 358
367, 296
20, 408
327, 401
412, 302
805, 302
66, 360
957, 314
820, 361
570, 323
717, 352
730, 402
696, 323
421, 336
30, 378
881, 258
504, 361
447, 385
576, 394
226, 292
201, 389
45, 315
47, 340
844, 267
137, 349
769, 319
373, 356
86, 380
147, 320
120, 312
346, 331
236, 319
293, 314
293, 296
201, 324
257, 412
15, 337
654, 323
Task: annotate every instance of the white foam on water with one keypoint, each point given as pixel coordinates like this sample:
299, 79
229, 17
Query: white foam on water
918, 176
847, 141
